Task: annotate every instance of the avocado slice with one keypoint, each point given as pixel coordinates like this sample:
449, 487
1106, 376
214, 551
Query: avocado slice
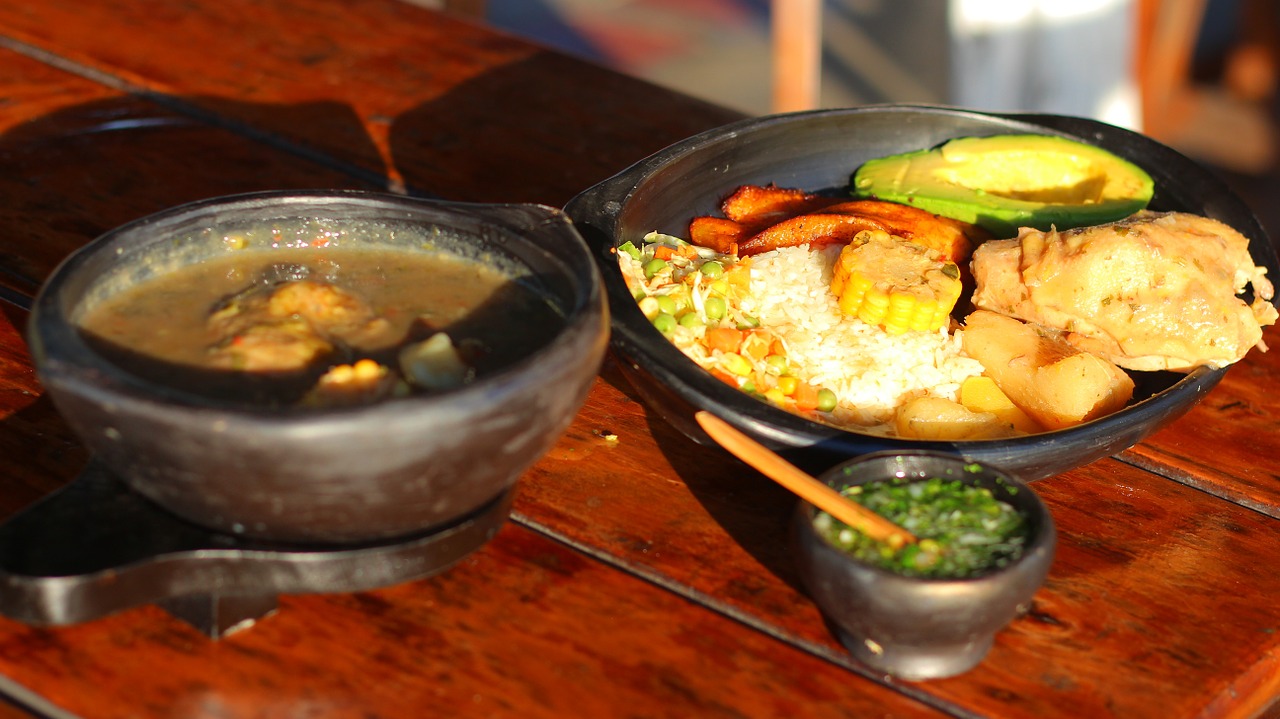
1003, 182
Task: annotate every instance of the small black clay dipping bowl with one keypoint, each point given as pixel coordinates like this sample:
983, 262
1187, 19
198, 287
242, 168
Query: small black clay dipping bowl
343, 475
913, 627
818, 151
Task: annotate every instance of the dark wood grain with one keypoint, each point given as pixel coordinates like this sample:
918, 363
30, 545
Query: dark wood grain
82, 159
442, 104
523, 628
1229, 444
1139, 576
38, 453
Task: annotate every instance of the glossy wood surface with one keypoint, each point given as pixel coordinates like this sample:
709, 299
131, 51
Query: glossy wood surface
641, 574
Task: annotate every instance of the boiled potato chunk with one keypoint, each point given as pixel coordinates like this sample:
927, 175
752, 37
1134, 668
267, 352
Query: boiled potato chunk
1053, 382
938, 418
982, 394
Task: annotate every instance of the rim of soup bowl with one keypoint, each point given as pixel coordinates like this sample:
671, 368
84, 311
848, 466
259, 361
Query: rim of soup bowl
63, 356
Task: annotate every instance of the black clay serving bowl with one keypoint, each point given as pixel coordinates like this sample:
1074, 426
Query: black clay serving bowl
818, 151
355, 474
913, 627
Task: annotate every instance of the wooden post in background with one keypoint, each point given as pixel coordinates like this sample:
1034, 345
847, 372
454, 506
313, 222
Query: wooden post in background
797, 54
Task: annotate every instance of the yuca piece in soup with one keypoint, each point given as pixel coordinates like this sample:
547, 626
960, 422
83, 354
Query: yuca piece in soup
321, 327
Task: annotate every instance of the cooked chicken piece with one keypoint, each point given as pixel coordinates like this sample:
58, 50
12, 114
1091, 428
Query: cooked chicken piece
283, 346
1151, 292
290, 326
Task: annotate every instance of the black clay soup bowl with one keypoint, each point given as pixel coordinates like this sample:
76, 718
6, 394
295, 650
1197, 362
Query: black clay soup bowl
817, 152
926, 624
303, 428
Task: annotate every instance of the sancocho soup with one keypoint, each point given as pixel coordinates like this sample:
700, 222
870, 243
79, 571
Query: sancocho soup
310, 314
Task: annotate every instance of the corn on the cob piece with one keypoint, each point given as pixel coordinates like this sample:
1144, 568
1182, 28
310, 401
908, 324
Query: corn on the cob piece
894, 283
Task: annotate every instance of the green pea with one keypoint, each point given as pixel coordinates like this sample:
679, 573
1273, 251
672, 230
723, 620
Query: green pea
664, 322
715, 308
667, 304
712, 269
826, 400
690, 319
653, 267
777, 363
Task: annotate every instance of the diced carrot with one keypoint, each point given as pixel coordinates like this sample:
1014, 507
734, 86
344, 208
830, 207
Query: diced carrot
662, 252
739, 276
756, 345
806, 397
724, 376
725, 339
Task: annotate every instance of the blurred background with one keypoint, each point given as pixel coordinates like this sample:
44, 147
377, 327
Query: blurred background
1199, 75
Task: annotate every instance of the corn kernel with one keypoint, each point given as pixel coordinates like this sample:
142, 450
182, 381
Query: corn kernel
735, 363
895, 284
788, 385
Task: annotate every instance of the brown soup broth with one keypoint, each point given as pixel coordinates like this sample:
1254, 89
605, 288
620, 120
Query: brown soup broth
161, 328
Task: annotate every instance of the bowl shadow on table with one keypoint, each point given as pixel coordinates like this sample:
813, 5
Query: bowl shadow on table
76, 173
430, 140
42, 467
754, 511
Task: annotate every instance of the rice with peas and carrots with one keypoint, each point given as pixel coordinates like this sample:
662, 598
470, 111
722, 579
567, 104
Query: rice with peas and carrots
771, 326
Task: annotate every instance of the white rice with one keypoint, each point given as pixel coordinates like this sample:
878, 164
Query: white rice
871, 372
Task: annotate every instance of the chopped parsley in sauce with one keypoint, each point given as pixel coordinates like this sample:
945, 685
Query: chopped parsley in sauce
963, 530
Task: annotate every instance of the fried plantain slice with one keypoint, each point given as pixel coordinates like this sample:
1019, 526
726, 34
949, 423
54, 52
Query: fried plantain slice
717, 233
762, 205
814, 229
759, 218
953, 238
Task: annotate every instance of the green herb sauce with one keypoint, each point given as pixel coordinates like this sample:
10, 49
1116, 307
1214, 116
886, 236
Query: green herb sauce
963, 530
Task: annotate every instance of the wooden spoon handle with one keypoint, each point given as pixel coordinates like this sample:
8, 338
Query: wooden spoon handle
806, 487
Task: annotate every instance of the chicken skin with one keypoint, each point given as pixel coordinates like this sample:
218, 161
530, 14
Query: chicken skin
1155, 291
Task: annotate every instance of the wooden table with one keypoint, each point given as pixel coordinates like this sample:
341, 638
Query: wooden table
643, 576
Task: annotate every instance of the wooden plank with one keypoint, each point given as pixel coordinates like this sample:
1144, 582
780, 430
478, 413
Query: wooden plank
1227, 444
1138, 582
420, 85
40, 452
77, 159
526, 627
